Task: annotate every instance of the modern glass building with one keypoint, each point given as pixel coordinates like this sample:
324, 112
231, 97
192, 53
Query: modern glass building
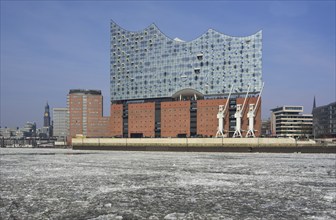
60, 125
164, 87
325, 120
147, 64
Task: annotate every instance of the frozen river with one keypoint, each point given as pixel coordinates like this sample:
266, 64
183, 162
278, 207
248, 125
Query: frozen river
66, 184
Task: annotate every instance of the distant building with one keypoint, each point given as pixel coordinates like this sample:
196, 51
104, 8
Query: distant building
46, 121
324, 120
47, 129
60, 124
86, 114
288, 121
8, 132
27, 131
44, 132
266, 130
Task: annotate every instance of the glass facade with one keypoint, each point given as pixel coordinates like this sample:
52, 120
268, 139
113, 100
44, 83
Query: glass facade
325, 120
60, 128
148, 64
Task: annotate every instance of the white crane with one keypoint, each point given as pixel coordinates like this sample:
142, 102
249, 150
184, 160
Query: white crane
221, 116
238, 116
251, 115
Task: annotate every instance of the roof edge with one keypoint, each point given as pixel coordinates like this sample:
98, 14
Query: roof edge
209, 30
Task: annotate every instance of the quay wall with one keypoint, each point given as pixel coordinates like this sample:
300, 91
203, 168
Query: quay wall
285, 145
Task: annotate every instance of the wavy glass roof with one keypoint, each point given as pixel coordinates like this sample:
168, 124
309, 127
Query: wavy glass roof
148, 64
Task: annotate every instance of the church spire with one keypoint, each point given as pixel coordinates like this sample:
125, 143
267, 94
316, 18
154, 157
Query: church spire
314, 104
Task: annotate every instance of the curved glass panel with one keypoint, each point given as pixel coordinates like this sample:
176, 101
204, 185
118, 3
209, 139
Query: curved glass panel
148, 64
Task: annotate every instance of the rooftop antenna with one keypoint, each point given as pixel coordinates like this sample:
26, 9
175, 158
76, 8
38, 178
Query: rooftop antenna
238, 116
221, 115
251, 115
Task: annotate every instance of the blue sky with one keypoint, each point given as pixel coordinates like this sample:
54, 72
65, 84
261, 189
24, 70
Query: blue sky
49, 47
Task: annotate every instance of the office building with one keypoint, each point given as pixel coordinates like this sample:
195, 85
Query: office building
324, 121
266, 128
288, 121
85, 114
60, 128
163, 87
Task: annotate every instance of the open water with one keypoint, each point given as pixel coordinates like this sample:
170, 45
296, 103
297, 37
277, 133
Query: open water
66, 184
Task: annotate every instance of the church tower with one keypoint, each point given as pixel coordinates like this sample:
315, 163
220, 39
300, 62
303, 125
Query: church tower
46, 116
314, 105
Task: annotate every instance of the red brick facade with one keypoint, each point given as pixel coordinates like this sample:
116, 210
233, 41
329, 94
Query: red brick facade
96, 126
116, 120
100, 128
175, 118
75, 106
207, 121
141, 119
86, 115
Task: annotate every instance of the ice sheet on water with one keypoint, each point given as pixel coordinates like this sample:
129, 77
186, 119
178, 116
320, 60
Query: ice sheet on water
175, 216
66, 184
331, 196
108, 217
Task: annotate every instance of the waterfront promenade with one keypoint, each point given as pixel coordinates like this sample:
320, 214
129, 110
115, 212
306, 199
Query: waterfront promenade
280, 145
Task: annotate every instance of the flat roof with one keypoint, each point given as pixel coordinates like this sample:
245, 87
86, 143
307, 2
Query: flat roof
85, 91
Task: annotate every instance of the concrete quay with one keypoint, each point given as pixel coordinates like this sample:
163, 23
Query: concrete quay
272, 145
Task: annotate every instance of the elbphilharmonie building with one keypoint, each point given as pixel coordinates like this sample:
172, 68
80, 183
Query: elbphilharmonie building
152, 72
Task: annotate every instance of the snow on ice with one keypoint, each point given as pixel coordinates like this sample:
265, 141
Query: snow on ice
66, 184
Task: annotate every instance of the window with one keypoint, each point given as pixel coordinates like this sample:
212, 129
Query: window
197, 70
200, 56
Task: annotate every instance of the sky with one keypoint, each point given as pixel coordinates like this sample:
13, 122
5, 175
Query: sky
50, 47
